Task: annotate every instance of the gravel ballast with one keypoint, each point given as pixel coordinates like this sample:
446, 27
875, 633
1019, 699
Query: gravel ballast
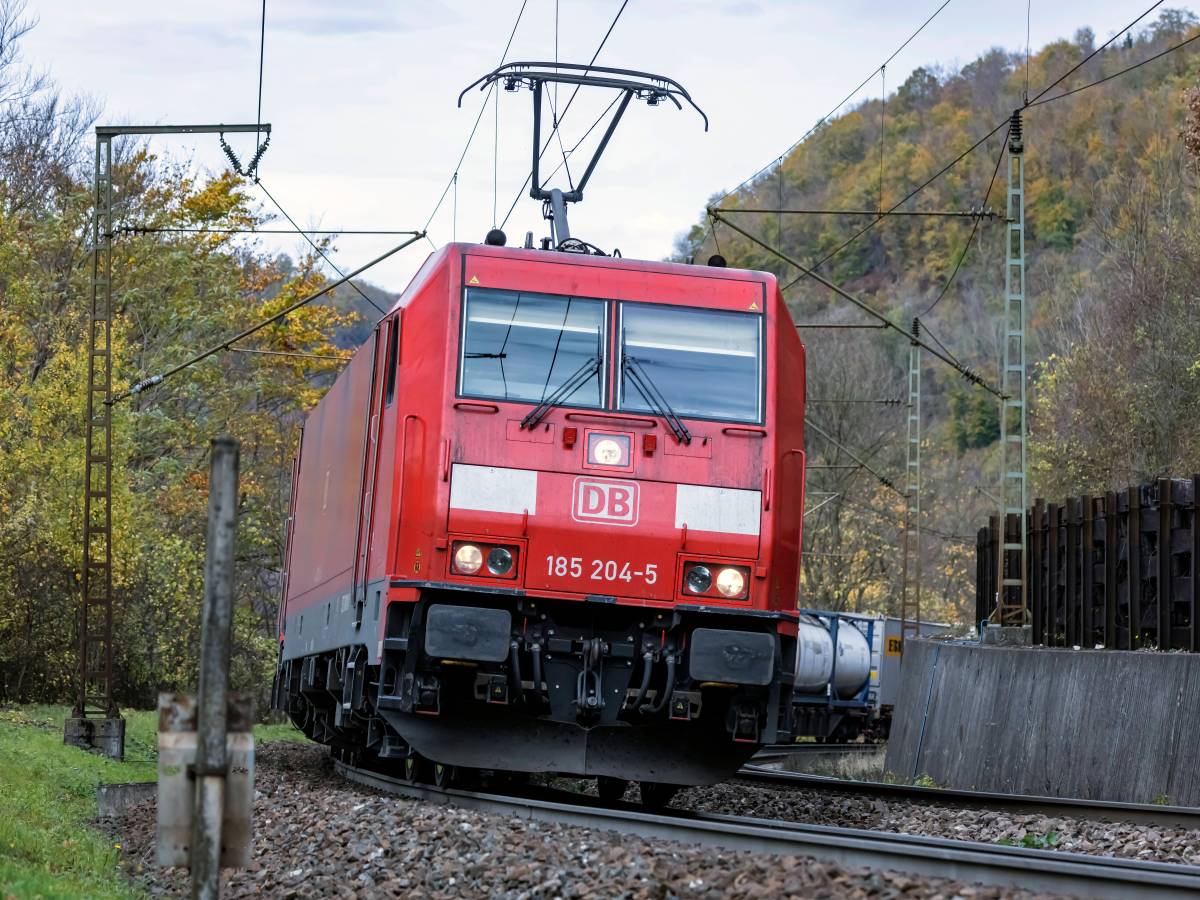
1122, 839
316, 835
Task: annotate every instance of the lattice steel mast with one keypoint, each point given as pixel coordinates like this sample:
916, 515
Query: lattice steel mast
96, 721
910, 596
95, 616
1012, 600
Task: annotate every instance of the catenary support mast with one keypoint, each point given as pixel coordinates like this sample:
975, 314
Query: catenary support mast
910, 596
96, 721
1012, 600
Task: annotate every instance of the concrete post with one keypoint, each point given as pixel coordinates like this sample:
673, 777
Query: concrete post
216, 627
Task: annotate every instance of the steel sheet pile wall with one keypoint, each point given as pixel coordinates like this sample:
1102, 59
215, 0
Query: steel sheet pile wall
1101, 725
1090, 585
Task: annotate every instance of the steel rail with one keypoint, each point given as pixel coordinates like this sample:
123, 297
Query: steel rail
1064, 807
997, 864
793, 751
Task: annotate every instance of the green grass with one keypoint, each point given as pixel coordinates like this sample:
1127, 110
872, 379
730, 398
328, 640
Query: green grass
285, 731
48, 847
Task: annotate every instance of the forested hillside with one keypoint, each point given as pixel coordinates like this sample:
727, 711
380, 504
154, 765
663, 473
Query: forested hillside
174, 293
1113, 250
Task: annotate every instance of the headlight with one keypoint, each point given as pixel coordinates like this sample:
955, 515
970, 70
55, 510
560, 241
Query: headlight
608, 449
484, 560
731, 583
717, 580
468, 559
698, 579
499, 561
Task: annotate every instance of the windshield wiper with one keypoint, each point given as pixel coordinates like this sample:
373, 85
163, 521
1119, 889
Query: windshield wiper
654, 398
574, 382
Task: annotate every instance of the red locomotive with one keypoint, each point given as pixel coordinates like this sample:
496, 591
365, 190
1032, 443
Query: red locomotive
548, 519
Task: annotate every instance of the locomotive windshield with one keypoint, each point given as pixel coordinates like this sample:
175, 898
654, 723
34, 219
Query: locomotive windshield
523, 346
706, 363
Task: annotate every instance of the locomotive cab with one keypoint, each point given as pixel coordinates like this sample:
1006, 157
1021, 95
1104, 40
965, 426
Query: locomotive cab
548, 520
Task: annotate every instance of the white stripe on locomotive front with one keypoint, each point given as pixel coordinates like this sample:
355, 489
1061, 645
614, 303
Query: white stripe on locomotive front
701, 508
493, 489
724, 510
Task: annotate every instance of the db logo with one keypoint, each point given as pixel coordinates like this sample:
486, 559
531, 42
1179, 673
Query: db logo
608, 501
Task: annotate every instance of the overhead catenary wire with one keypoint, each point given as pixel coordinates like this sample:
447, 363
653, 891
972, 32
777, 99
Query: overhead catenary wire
474, 128
846, 295
1003, 124
574, 147
1028, 20
974, 229
566, 109
262, 50
317, 247
881, 478
227, 344
881, 401
562, 147
882, 128
171, 229
942, 171
1083, 62
829, 499
896, 520
291, 354
495, 155
932, 213
825, 118
933, 337
1118, 74
552, 96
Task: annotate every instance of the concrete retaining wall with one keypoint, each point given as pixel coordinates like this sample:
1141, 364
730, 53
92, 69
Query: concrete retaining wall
1094, 724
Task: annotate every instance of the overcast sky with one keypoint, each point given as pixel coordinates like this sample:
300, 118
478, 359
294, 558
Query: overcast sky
362, 96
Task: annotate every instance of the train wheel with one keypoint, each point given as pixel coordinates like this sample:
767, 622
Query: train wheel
610, 789
656, 795
444, 776
416, 768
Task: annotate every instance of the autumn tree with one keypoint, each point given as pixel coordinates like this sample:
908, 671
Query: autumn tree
173, 293
1110, 264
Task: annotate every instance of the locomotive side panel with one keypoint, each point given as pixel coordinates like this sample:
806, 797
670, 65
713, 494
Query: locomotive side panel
420, 459
331, 456
316, 608
788, 400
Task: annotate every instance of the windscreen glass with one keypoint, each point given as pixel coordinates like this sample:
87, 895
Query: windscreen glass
523, 346
704, 363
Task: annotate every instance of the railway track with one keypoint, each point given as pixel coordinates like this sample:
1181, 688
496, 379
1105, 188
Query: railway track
779, 752
1039, 870
1140, 813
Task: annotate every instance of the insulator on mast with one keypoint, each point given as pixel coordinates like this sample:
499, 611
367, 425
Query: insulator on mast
1016, 142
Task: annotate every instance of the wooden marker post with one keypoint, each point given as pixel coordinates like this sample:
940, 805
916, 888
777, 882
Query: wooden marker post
212, 762
205, 745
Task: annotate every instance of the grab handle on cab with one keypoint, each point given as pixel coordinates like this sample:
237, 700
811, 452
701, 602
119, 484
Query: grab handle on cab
469, 406
635, 421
